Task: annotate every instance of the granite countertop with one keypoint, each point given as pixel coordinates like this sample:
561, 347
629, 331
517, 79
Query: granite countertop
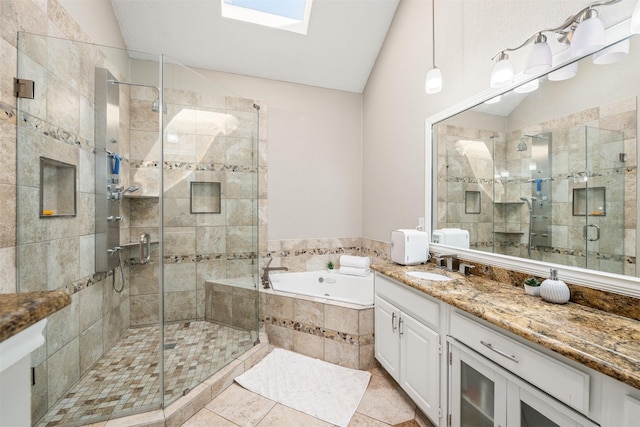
19, 311
605, 342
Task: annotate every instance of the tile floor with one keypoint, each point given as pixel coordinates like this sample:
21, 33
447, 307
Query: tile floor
193, 352
384, 404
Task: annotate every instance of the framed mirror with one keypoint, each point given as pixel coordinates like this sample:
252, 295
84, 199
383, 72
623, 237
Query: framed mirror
547, 149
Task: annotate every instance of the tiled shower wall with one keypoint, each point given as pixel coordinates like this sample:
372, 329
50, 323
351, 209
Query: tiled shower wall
465, 159
211, 139
463, 169
56, 252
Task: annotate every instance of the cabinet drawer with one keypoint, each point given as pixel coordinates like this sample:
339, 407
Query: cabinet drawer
409, 301
561, 381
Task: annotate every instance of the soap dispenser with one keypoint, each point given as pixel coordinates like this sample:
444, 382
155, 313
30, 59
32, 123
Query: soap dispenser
554, 290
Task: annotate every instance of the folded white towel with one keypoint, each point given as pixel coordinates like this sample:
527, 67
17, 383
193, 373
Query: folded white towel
355, 261
355, 271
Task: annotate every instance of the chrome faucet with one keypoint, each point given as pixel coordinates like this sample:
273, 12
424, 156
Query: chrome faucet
451, 261
266, 282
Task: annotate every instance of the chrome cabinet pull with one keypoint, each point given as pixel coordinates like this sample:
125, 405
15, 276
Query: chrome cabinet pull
500, 352
400, 326
393, 321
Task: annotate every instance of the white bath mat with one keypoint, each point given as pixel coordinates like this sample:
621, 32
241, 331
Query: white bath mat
323, 390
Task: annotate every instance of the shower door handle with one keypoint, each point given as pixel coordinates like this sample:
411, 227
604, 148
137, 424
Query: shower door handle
585, 232
145, 248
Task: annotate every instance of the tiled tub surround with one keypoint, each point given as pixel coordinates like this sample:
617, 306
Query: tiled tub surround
314, 254
231, 302
335, 332
568, 136
598, 338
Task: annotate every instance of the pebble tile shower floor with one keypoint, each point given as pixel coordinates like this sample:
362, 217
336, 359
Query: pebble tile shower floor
127, 378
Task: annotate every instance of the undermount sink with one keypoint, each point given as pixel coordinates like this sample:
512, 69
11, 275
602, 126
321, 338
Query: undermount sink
428, 276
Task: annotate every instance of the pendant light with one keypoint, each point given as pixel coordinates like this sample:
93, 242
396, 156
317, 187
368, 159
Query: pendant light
433, 84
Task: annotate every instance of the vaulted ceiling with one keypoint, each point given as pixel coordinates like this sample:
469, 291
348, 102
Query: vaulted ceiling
338, 51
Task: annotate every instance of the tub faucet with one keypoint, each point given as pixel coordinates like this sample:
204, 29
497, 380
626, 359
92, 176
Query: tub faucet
266, 282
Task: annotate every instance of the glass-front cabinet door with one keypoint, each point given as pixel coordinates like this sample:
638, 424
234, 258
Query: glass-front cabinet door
477, 392
482, 394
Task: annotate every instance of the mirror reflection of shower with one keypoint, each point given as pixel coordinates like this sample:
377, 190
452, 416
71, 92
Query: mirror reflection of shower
530, 207
539, 201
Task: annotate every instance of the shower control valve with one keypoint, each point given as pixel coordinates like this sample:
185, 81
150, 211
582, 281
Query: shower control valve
114, 218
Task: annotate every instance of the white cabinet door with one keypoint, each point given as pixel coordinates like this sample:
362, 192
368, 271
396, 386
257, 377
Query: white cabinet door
420, 364
387, 344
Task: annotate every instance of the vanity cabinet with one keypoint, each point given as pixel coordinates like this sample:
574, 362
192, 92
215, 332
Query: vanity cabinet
496, 381
485, 395
407, 342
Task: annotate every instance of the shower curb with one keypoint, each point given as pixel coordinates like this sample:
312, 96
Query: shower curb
187, 406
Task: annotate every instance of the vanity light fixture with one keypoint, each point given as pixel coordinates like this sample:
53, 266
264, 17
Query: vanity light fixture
433, 84
614, 53
583, 32
566, 72
539, 59
589, 34
528, 87
502, 73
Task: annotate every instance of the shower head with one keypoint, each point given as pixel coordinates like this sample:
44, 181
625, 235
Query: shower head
524, 199
522, 145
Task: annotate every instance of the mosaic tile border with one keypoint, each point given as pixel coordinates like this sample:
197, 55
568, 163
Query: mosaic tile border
9, 113
44, 128
318, 331
191, 166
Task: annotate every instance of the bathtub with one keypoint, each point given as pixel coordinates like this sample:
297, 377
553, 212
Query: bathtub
327, 316
321, 284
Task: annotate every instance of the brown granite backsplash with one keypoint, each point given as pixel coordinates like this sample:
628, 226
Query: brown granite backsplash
621, 305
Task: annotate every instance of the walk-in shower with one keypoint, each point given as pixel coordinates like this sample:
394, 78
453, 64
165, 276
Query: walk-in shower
143, 208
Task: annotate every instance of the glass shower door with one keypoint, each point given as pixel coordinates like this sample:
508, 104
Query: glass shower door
209, 199
598, 199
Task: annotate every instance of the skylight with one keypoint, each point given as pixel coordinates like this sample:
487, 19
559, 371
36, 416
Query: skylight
289, 15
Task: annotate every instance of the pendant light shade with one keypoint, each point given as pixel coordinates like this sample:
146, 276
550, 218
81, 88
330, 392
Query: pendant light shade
614, 53
434, 81
539, 59
635, 19
502, 73
566, 72
433, 84
589, 35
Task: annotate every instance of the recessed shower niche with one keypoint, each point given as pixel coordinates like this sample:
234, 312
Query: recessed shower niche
205, 197
57, 188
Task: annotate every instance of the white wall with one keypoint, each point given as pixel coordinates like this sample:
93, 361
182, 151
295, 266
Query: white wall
314, 156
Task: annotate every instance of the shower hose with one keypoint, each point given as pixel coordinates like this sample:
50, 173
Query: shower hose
113, 283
